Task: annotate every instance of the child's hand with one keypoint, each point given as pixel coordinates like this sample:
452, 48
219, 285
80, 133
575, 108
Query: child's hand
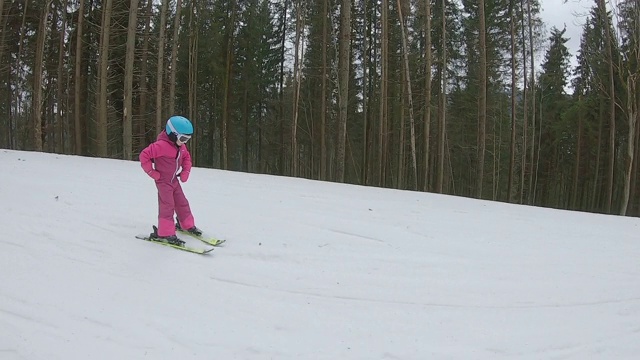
184, 176
155, 175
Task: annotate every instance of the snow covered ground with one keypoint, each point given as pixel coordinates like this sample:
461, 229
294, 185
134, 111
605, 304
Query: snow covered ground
310, 270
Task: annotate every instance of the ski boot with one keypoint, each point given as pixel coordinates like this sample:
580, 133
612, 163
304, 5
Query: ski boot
171, 239
194, 230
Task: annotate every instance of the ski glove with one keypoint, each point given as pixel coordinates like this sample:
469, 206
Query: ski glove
155, 175
184, 176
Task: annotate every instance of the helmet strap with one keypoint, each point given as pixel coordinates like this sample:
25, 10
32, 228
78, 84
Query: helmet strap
173, 136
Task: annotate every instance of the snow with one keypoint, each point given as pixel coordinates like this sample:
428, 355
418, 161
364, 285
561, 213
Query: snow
310, 270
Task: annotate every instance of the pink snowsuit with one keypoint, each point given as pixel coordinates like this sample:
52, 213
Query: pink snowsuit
168, 158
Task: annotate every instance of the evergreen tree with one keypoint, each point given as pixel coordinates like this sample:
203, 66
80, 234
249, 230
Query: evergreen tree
556, 134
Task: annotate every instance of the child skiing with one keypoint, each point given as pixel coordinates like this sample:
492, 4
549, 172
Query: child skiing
165, 161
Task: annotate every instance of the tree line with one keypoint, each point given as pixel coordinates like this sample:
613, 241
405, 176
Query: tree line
473, 98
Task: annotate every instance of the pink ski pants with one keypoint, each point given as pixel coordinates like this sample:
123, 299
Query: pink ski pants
171, 200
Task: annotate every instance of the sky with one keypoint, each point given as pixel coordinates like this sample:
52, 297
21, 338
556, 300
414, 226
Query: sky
572, 14
310, 270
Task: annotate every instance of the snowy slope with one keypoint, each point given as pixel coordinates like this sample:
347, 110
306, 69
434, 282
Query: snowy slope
311, 270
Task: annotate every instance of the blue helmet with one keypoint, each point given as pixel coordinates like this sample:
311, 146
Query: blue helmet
179, 125
179, 129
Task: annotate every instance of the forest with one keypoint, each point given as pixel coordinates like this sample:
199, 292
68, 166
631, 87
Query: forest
473, 98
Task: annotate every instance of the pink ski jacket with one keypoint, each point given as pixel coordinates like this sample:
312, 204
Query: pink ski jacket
168, 158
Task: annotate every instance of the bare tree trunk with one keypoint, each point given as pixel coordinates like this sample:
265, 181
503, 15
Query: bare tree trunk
443, 104
296, 80
11, 133
343, 83
297, 93
405, 52
401, 129
261, 124
3, 32
3, 23
594, 194
60, 109
482, 100
127, 122
533, 107
174, 59
633, 207
576, 174
635, 88
245, 116
43, 31
427, 95
78, 82
633, 101
103, 79
632, 114
535, 181
193, 77
525, 105
67, 113
497, 145
144, 114
365, 96
20, 70
323, 100
160, 65
227, 89
612, 107
512, 159
384, 53
281, 87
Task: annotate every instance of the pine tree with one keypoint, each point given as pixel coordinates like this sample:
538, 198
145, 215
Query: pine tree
552, 103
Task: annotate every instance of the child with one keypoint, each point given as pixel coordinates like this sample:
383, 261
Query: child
165, 161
